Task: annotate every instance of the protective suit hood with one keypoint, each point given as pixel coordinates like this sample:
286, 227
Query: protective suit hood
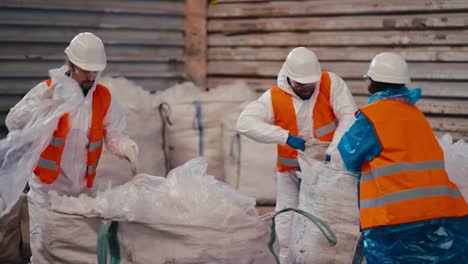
282, 82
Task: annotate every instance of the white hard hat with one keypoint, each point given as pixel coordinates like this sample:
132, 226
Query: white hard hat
389, 67
302, 66
86, 51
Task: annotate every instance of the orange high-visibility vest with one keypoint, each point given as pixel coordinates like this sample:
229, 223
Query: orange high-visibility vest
48, 166
324, 120
407, 181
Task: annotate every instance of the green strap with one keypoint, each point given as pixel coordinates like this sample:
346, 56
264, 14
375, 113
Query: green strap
108, 237
322, 226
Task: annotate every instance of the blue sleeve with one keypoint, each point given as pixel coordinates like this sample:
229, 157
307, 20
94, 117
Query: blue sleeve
360, 143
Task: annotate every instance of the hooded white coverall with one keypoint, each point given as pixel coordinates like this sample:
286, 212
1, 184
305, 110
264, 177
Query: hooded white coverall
71, 180
257, 122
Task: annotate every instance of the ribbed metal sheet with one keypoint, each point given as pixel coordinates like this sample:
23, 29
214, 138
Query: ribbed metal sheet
144, 41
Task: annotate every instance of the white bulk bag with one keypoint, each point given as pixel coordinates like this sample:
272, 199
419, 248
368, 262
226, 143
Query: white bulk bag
456, 162
59, 237
249, 166
187, 218
10, 233
330, 195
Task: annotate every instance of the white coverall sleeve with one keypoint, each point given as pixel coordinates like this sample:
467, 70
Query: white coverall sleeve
19, 115
344, 108
256, 121
117, 140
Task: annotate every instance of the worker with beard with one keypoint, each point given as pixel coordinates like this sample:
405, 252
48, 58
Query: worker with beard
68, 164
307, 104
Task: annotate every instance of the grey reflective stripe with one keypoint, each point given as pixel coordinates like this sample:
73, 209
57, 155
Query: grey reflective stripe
48, 164
409, 194
90, 169
326, 129
95, 145
57, 142
288, 162
401, 167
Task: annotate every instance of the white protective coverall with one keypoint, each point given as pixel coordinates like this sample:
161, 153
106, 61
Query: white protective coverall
71, 180
257, 122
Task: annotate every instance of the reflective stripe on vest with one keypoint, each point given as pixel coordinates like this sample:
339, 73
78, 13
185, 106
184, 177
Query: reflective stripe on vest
324, 120
57, 142
90, 169
95, 145
48, 165
409, 194
406, 182
101, 103
401, 167
322, 131
288, 162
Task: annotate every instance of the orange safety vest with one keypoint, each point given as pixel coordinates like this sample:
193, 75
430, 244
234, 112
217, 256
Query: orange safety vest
324, 120
48, 166
407, 181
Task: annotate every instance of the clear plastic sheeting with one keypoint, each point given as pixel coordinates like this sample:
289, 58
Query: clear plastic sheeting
249, 166
20, 150
331, 195
188, 195
143, 126
195, 115
456, 162
188, 217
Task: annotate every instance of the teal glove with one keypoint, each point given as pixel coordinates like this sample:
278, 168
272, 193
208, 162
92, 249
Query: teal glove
296, 142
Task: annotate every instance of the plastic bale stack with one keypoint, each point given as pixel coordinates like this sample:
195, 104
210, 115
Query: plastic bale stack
195, 122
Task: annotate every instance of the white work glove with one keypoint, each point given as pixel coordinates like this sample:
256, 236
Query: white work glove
130, 153
317, 149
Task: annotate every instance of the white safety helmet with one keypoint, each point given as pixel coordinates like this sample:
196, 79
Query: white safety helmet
86, 51
389, 67
302, 66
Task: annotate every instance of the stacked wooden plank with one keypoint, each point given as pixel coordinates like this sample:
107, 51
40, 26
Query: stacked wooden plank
144, 41
249, 40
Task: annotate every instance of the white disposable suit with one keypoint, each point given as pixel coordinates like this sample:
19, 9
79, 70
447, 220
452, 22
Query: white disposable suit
72, 177
257, 122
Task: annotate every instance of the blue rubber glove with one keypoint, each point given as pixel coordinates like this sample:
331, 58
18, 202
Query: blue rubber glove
296, 142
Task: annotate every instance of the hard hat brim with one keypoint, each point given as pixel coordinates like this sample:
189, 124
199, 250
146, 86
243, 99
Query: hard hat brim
90, 67
305, 80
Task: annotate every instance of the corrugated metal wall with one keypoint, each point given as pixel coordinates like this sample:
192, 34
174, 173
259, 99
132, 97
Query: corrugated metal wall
249, 40
144, 41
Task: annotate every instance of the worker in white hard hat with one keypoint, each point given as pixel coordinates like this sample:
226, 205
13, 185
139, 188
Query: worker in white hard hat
410, 211
307, 104
68, 164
